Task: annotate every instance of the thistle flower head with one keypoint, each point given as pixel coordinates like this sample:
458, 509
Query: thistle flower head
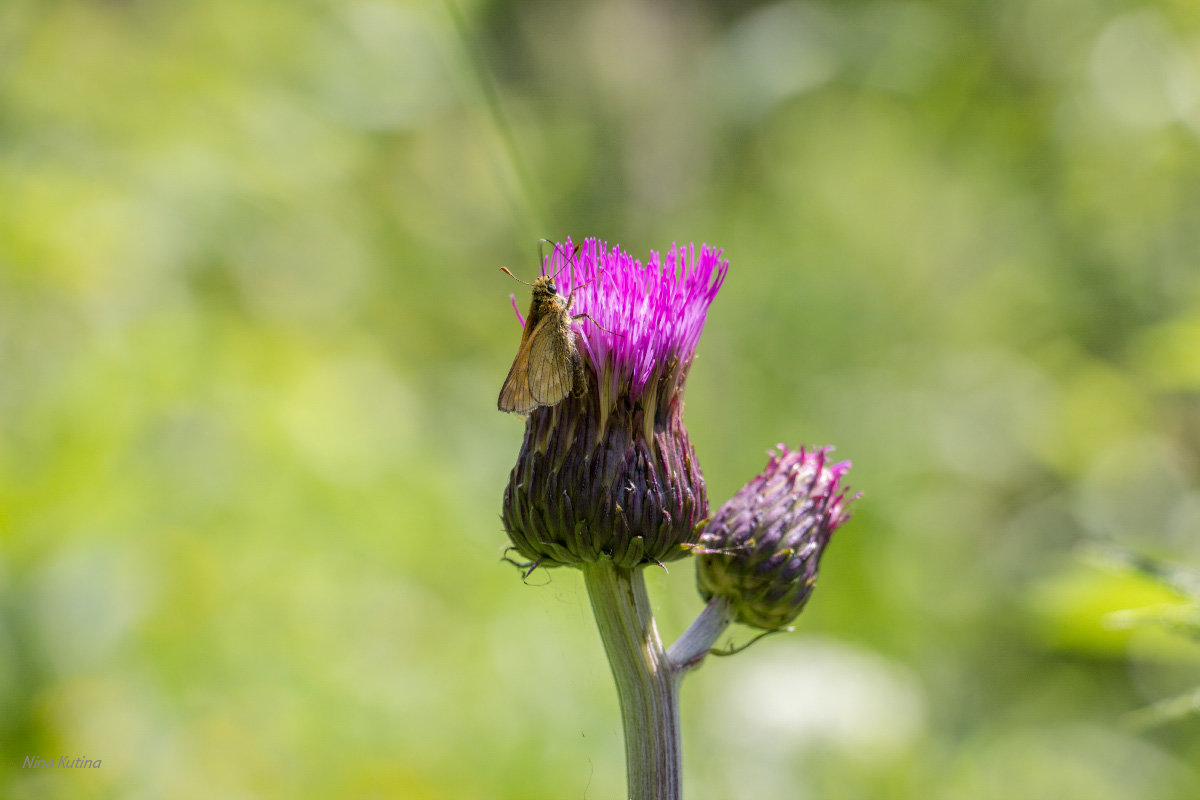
612, 474
653, 313
761, 550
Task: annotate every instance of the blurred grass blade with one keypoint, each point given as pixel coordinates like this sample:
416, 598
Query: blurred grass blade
1182, 579
1183, 619
1164, 711
534, 207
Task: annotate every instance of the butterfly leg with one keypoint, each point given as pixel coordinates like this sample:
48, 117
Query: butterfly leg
597, 324
579, 381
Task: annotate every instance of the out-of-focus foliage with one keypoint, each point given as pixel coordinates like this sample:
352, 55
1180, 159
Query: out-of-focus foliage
1178, 616
252, 331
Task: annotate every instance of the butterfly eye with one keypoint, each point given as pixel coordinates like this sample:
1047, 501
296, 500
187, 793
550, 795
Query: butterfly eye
550, 287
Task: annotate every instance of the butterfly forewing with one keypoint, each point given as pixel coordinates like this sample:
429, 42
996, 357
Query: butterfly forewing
551, 365
514, 394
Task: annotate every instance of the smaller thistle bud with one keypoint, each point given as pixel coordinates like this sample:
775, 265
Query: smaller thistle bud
762, 548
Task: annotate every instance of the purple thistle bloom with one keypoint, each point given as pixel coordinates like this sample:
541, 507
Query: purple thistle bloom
612, 474
658, 310
762, 548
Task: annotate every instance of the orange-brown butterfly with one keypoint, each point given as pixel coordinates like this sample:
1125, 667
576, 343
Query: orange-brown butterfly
548, 366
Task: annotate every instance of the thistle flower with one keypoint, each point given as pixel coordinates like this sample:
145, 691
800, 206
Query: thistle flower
612, 474
762, 548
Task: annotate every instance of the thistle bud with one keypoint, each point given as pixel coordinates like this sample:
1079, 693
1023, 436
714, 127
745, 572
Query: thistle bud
762, 548
612, 474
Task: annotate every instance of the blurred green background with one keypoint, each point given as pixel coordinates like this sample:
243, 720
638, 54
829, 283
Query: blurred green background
252, 332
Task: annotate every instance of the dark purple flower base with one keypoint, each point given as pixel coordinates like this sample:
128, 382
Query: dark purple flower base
589, 486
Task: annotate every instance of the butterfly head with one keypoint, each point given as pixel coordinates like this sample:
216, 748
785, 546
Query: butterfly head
544, 288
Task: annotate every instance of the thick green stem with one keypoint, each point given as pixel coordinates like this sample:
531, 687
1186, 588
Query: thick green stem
646, 685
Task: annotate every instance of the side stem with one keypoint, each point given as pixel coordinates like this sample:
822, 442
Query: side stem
691, 648
647, 687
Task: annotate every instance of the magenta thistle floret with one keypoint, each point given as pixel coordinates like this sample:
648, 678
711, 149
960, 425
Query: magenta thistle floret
612, 474
762, 549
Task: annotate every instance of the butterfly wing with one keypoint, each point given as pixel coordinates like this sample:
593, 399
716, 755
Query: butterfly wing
514, 393
551, 361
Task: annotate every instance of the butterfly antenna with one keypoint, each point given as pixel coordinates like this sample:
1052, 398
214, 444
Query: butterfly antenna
542, 253
508, 272
558, 248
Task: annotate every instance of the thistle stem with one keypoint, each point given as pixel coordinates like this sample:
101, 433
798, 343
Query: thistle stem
647, 686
